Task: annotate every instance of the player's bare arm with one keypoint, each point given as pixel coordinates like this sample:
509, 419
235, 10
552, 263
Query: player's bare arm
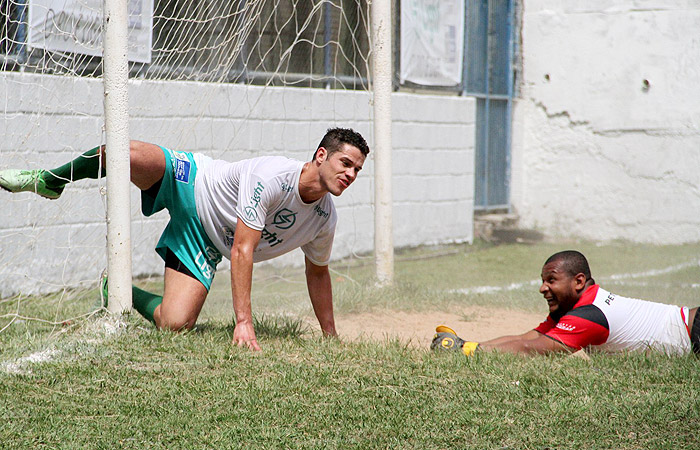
531, 342
244, 243
318, 281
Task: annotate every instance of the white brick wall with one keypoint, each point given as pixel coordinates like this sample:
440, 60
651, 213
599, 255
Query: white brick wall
48, 120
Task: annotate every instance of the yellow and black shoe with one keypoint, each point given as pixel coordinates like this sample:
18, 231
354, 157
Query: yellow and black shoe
446, 339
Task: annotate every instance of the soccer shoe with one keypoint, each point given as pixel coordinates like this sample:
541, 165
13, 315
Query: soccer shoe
28, 181
445, 329
446, 339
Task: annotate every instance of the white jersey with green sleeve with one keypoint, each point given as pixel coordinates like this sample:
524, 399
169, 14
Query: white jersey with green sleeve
263, 192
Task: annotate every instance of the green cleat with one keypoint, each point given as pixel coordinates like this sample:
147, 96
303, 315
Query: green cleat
28, 181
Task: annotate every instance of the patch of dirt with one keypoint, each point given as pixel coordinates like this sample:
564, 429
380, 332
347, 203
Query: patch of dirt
417, 328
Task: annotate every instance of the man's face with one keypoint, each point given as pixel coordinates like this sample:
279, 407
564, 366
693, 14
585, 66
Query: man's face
339, 170
559, 288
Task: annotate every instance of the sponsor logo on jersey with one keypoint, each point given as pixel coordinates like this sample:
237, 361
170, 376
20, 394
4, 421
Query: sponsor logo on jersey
250, 213
208, 261
181, 167
610, 299
286, 187
566, 326
284, 219
271, 238
257, 192
320, 212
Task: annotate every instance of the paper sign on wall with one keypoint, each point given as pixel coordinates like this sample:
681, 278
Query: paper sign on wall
432, 42
76, 26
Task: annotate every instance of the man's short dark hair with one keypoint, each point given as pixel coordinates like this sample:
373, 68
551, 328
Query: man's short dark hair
572, 262
336, 137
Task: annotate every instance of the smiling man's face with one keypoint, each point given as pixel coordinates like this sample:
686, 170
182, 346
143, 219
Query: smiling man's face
559, 288
340, 168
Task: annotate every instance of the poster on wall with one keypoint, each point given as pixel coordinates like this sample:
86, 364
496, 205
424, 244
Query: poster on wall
432, 42
75, 26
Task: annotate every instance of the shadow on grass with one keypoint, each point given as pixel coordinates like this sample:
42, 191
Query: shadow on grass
266, 326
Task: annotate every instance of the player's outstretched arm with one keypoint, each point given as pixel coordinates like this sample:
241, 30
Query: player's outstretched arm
318, 281
531, 342
245, 241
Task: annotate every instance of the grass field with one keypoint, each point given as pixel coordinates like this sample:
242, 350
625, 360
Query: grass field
94, 383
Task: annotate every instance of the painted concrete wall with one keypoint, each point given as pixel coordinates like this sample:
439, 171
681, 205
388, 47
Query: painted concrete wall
46, 245
607, 128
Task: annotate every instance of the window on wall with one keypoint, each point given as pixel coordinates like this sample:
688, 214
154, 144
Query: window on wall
283, 42
489, 77
475, 37
10, 37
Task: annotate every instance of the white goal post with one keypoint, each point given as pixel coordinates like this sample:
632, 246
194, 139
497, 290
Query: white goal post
116, 106
381, 88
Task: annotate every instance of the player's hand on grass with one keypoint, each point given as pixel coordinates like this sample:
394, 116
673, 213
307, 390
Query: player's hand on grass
329, 331
244, 335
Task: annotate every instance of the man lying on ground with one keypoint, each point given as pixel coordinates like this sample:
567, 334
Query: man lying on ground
582, 315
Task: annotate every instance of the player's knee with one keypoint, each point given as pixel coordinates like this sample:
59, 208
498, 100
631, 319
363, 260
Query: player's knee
147, 164
176, 321
138, 149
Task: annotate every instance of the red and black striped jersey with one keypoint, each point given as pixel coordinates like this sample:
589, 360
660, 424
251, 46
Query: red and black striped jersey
615, 323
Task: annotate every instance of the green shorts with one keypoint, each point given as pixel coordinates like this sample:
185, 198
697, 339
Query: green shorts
184, 235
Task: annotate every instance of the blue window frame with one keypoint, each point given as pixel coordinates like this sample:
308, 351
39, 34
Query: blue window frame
488, 76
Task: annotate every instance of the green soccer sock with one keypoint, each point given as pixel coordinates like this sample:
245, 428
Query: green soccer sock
87, 165
145, 303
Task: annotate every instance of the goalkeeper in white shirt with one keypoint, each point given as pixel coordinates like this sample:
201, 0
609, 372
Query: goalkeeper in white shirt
247, 211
